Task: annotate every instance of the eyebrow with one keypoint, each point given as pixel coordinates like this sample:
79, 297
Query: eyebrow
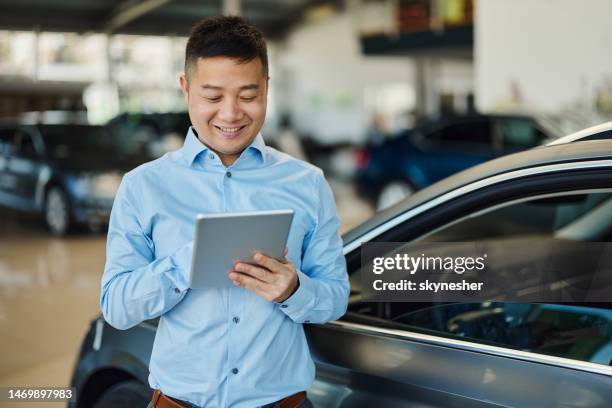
242, 88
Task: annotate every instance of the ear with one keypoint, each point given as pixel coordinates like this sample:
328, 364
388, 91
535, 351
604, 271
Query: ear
184, 86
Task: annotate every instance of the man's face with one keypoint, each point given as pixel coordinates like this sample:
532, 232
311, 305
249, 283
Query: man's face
226, 102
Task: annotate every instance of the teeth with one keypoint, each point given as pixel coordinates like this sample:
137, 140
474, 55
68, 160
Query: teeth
229, 129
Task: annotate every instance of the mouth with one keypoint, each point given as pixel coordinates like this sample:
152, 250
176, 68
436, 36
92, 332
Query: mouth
230, 132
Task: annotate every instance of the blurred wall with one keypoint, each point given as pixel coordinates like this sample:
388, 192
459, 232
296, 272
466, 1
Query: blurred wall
327, 85
545, 55
109, 74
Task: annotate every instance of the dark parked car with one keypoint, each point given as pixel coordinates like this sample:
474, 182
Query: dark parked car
408, 354
67, 173
151, 134
438, 148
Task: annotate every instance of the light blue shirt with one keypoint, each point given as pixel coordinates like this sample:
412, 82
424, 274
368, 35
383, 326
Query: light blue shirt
222, 347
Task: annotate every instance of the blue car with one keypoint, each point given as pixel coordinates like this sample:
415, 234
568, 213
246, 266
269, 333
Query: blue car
67, 174
438, 148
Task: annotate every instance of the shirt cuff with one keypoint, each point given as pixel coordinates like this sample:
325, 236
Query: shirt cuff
298, 304
180, 266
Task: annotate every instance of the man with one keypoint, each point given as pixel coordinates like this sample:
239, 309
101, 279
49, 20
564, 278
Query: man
243, 346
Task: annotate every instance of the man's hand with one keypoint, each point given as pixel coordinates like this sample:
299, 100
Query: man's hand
272, 280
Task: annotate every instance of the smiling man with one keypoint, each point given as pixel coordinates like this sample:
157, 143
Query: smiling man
243, 346
227, 101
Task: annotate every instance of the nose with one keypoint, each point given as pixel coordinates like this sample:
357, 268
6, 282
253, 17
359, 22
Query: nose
230, 111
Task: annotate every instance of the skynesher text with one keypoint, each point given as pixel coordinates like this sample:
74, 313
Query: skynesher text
406, 285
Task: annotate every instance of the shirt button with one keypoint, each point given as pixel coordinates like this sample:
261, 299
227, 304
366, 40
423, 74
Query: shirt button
284, 306
228, 174
235, 370
211, 156
177, 290
236, 319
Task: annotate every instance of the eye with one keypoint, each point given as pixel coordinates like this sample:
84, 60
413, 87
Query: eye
248, 98
212, 99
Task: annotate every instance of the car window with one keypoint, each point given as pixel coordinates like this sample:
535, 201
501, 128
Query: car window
134, 133
543, 217
64, 140
519, 133
25, 144
475, 133
7, 138
572, 331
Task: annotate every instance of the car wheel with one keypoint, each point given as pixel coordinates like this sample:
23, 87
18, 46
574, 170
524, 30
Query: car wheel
393, 193
57, 211
126, 394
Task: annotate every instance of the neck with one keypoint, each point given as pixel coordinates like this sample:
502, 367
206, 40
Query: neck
227, 159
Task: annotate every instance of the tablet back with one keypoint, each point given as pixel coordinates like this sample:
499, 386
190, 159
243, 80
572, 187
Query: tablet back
223, 239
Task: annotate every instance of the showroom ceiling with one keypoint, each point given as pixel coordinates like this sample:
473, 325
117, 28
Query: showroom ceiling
147, 17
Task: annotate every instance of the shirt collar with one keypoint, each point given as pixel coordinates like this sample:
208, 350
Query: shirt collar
193, 147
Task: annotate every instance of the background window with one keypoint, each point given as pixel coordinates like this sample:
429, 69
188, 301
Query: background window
25, 144
465, 133
519, 133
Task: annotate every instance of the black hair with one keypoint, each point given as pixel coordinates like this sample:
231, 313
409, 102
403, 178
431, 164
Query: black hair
226, 36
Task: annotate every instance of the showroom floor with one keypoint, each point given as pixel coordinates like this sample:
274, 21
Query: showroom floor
49, 290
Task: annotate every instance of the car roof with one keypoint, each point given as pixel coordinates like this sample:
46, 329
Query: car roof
60, 125
539, 156
602, 131
22, 124
445, 119
548, 125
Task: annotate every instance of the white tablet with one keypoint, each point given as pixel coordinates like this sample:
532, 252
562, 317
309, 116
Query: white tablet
223, 239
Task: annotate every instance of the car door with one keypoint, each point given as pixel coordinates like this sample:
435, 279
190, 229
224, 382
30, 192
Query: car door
25, 166
469, 355
8, 181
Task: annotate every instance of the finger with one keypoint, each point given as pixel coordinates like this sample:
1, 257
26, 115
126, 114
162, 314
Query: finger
245, 280
269, 263
248, 282
254, 271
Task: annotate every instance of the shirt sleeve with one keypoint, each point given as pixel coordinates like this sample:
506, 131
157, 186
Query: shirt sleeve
323, 289
135, 285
